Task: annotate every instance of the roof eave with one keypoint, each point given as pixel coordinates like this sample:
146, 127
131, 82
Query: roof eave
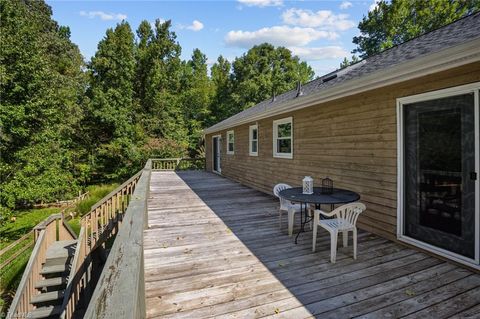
465, 53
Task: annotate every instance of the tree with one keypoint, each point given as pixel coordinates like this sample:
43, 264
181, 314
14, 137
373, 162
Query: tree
110, 117
346, 62
221, 106
144, 35
41, 88
197, 95
395, 22
263, 71
161, 109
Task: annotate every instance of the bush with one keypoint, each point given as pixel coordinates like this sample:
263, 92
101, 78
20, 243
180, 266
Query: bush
95, 193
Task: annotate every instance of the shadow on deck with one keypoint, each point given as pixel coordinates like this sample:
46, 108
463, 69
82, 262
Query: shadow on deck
214, 248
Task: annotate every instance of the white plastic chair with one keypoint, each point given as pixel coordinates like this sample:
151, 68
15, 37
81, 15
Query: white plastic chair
345, 221
286, 205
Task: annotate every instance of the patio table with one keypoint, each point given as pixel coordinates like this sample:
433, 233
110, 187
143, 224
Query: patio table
337, 196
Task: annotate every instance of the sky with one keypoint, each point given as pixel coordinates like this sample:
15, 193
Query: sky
319, 32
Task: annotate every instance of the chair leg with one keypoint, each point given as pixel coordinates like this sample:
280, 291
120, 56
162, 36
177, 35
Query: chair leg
314, 231
291, 219
280, 218
311, 219
345, 239
333, 246
355, 243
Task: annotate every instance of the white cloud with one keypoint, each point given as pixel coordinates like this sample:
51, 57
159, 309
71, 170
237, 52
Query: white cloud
320, 53
103, 15
261, 3
278, 35
374, 5
195, 26
324, 19
345, 5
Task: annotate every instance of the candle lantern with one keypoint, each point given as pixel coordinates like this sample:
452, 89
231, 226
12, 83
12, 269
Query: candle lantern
308, 185
327, 186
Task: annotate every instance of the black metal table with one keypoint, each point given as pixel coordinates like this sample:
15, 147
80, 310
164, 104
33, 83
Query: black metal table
338, 196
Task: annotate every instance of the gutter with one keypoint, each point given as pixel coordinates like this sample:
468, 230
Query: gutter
456, 56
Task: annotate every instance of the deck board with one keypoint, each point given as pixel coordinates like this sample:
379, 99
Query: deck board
213, 248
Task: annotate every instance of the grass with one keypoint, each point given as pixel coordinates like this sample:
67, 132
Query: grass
10, 279
25, 220
95, 193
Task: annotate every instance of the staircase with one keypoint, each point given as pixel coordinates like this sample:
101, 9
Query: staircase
55, 270
63, 267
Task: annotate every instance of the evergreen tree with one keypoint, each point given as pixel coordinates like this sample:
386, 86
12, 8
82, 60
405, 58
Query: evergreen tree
196, 97
162, 116
110, 117
221, 106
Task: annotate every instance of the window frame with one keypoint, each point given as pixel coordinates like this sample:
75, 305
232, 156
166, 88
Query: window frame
276, 123
403, 102
231, 132
250, 139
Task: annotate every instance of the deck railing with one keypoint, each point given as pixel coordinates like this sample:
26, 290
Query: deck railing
45, 233
123, 271
122, 214
178, 164
99, 225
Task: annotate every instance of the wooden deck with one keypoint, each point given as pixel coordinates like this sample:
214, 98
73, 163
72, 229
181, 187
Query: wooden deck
214, 249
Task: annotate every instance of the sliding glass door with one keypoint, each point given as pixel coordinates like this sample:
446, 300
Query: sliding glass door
440, 162
216, 151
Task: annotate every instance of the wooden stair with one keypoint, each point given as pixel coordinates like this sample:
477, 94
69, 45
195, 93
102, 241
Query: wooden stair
55, 270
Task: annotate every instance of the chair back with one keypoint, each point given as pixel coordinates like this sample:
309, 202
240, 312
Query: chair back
276, 190
349, 212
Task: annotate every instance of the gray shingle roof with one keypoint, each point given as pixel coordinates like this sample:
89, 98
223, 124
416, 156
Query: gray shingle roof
451, 35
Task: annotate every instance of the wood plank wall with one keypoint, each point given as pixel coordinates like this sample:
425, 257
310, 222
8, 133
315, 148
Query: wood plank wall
352, 140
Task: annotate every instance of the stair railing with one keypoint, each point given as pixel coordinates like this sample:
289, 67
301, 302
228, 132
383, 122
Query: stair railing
100, 224
123, 272
45, 233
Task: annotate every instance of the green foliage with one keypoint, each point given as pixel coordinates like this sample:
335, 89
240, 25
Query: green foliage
265, 70
221, 106
65, 126
197, 95
346, 62
41, 89
22, 223
110, 119
395, 22
10, 277
95, 194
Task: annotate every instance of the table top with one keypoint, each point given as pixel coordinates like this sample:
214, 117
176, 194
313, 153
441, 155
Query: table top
338, 196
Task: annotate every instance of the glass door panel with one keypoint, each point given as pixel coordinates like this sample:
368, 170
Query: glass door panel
438, 165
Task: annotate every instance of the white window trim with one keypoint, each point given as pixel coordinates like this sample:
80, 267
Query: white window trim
463, 89
250, 139
228, 134
275, 137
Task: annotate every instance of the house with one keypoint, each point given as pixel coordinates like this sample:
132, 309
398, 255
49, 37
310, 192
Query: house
401, 128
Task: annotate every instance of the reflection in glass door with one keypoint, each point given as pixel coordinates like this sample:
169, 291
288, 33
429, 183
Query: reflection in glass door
216, 153
439, 173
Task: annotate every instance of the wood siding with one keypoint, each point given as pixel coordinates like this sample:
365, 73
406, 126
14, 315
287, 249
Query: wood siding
352, 140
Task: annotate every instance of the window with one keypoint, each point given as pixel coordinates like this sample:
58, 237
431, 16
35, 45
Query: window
230, 142
283, 138
253, 140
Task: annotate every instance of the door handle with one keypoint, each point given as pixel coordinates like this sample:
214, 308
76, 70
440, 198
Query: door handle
473, 176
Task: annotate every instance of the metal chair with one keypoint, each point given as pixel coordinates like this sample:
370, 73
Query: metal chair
345, 221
